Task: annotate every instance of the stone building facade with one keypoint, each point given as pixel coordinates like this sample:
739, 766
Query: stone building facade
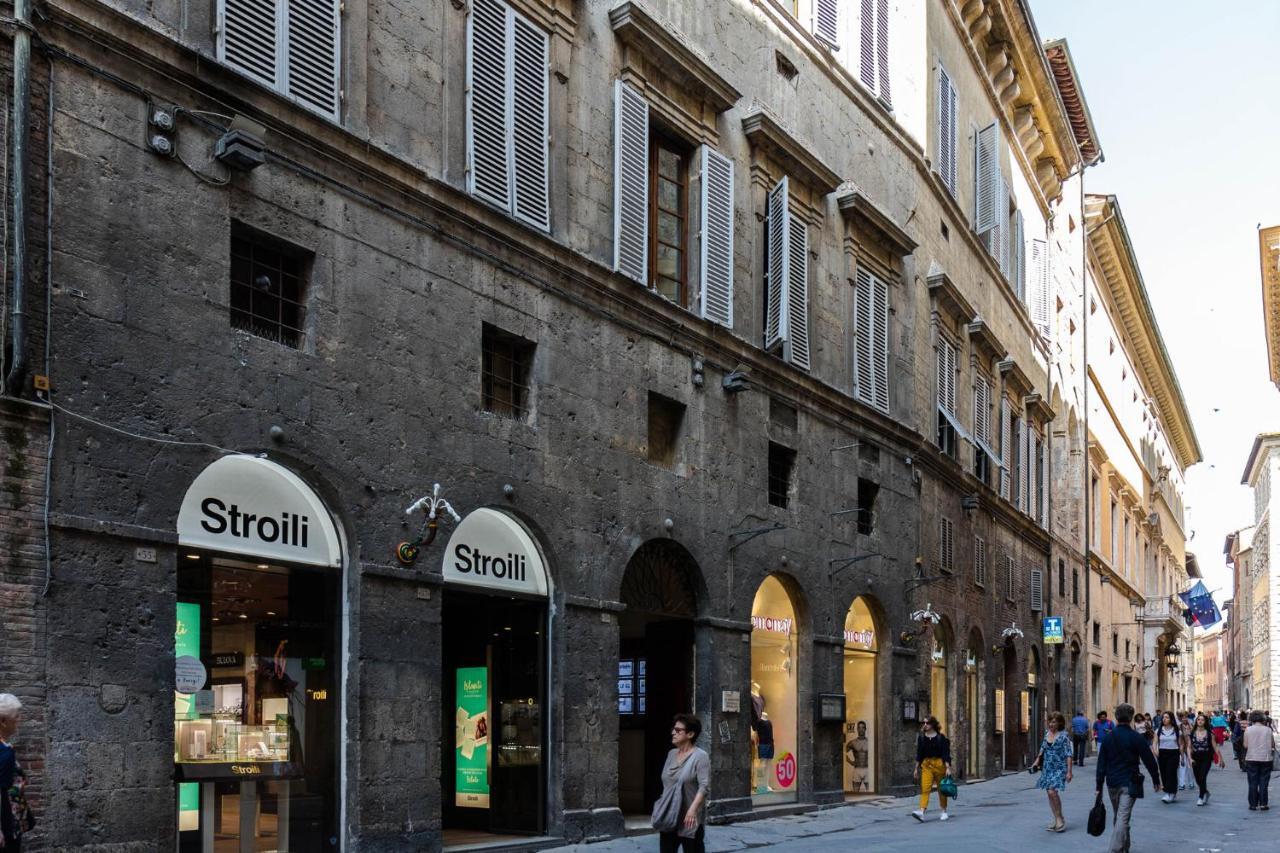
1260, 473
752, 368
1238, 552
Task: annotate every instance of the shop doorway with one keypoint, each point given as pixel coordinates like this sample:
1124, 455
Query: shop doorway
1033, 721
494, 665
939, 654
775, 673
972, 705
494, 656
1012, 738
656, 665
861, 726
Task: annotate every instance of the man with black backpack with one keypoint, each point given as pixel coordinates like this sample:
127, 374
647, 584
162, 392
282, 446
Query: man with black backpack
1118, 759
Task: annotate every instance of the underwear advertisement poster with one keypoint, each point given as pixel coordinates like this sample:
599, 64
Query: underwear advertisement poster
471, 738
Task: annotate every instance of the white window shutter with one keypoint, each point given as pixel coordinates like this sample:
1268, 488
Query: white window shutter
530, 74
946, 130
867, 44
946, 376
1018, 256
988, 191
312, 30
826, 21
882, 52
1003, 237
981, 410
717, 237
798, 295
1040, 295
778, 219
880, 343
631, 184
1044, 487
1006, 456
1037, 590
488, 173
1028, 468
249, 38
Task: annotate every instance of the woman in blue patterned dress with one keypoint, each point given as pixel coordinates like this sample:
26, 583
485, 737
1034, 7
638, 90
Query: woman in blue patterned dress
1054, 763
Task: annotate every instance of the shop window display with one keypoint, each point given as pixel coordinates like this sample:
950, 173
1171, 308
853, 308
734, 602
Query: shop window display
860, 699
256, 705
774, 674
938, 683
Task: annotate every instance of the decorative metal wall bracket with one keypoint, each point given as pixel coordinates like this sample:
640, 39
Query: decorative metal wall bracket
434, 507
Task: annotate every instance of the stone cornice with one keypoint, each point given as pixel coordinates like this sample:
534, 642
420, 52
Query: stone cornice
985, 340
1108, 239
947, 296
662, 45
855, 205
1015, 377
765, 132
1269, 262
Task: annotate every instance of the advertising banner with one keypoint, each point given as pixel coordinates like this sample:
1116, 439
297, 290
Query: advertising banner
1053, 629
186, 644
471, 738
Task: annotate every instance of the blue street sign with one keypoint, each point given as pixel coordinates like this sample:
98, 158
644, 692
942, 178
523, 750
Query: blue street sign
1053, 629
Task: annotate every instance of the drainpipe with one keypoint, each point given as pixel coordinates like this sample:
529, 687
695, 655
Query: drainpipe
21, 99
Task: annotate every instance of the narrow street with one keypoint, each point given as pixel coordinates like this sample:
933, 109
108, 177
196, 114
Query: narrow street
1005, 814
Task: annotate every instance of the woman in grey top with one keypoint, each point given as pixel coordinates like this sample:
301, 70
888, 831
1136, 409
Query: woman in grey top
696, 783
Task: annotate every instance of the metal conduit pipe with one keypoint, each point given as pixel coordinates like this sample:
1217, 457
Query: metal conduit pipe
21, 101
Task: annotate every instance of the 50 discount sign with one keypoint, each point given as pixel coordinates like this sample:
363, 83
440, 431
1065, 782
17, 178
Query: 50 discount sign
784, 769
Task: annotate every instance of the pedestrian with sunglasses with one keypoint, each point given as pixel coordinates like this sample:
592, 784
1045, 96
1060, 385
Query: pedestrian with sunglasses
686, 777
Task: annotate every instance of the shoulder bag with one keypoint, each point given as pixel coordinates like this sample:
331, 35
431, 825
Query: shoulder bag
668, 811
1097, 817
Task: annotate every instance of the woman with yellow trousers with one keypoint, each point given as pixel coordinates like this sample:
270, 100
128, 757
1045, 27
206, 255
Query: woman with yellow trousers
933, 762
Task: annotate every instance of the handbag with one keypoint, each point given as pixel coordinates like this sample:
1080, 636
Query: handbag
947, 787
668, 810
1098, 817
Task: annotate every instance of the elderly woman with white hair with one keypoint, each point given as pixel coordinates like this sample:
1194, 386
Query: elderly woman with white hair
14, 814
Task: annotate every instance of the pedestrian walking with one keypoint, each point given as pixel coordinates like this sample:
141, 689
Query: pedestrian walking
1079, 737
933, 762
15, 817
1204, 751
1218, 722
1258, 745
1237, 739
1171, 747
1185, 774
686, 783
1054, 763
1118, 760
1101, 728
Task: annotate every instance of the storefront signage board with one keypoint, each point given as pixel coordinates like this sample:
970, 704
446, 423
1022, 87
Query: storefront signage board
730, 701
490, 549
1053, 629
250, 505
471, 738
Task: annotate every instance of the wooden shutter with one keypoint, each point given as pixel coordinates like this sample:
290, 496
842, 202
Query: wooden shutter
826, 21
717, 237
979, 561
988, 191
249, 38
530, 73
946, 376
1037, 590
1008, 577
871, 339
631, 184
778, 224
1040, 296
982, 410
798, 295
488, 172
1005, 450
312, 31
946, 130
1018, 256
882, 52
946, 544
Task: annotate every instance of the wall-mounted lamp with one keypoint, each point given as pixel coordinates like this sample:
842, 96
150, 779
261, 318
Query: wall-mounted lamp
735, 382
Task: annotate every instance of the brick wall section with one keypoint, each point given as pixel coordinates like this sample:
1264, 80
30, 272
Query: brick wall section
24, 434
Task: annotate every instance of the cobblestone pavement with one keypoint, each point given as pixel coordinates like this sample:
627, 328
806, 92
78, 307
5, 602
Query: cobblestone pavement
1006, 814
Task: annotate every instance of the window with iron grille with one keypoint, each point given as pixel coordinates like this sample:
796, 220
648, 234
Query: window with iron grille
506, 362
782, 461
979, 561
268, 286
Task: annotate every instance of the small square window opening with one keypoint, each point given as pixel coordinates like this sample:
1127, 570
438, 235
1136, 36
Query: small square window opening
506, 362
782, 461
665, 419
268, 286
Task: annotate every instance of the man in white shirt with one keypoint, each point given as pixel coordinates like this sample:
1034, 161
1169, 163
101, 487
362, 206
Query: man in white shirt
1258, 746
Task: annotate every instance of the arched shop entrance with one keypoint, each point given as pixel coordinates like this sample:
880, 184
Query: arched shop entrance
973, 665
861, 727
1033, 710
656, 657
1011, 739
774, 704
939, 652
494, 630
257, 702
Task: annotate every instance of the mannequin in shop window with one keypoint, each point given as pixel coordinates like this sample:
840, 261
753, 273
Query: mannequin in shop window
762, 741
856, 752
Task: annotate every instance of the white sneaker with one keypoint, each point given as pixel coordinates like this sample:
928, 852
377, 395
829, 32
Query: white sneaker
1200, 802
945, 816
1166, 799
918, 814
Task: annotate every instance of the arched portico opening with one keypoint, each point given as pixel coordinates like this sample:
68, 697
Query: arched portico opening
861, 675
775, 701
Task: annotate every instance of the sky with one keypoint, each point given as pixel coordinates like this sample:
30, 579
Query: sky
1187, 108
